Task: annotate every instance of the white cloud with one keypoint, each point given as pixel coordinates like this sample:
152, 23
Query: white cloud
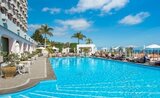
102, 5
60, 31
76, 24
134, 19
114, 4
64, 26
51, 10
33, 27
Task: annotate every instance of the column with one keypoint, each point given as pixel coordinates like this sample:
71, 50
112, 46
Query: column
77, 50
12, 43
0, 43
22, 48
30, 48
26, 48
1, 57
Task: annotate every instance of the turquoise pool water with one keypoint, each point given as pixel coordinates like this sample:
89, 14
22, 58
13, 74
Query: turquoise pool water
96, 78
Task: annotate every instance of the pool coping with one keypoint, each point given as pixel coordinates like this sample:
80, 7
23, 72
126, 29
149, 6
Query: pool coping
50, 75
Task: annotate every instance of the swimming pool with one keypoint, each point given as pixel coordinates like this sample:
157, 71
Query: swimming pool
94, 77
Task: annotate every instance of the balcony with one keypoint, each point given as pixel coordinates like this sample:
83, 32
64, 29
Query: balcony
18, 20
24, 4
10, 12
16, 9
12, 3
3, 5
14, 17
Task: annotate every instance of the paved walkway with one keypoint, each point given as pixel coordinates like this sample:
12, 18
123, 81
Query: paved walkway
39, 70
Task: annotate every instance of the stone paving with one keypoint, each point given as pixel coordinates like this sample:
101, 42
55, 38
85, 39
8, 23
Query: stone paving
39, 70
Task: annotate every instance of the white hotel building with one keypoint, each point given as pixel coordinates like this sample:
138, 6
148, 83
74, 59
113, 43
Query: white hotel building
13, 27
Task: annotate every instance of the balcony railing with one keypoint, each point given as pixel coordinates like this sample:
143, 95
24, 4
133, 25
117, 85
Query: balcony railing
4, 5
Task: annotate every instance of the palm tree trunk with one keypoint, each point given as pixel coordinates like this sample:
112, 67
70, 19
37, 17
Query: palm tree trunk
45, 41
78, 40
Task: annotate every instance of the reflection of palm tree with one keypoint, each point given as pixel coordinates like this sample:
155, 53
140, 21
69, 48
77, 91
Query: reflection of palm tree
79, 36
46, 31
89, 41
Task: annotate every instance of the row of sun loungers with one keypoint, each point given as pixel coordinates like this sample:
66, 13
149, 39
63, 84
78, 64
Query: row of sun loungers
122, 57
144, 59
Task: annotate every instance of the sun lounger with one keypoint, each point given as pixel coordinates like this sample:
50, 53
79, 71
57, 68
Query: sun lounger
157, 63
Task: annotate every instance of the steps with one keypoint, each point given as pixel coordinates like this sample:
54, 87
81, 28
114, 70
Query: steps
133, 88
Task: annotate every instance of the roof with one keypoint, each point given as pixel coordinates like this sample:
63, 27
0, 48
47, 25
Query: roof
86, 45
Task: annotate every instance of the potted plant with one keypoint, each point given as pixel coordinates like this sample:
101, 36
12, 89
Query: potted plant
50, 51
10, 70
24, 57
1, 57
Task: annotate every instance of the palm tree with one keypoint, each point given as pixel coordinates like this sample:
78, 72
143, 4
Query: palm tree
120, 50
46, 31
129, 51
79, 36
89, 41
66, 45
37, 37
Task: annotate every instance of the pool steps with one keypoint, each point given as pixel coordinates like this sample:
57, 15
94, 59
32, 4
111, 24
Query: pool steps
96, 90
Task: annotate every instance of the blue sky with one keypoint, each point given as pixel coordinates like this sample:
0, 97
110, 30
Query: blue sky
107, 22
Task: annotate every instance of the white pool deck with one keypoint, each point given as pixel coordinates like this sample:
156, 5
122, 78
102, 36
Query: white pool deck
38, 71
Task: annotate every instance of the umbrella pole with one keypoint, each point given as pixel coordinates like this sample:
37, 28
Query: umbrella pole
158, 54
153, 55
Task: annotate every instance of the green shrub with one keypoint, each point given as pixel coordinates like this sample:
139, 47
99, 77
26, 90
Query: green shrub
12, 59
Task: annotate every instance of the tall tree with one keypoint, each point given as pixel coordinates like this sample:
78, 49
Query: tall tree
66, 45
89, 41
37, 37
79, 36
45, 30
129, 51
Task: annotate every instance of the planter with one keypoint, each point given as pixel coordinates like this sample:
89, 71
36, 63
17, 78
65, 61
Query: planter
9, 71
26, 62
50, 55
36, 57
33, 58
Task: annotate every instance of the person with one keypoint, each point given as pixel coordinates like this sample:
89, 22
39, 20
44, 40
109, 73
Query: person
144, 59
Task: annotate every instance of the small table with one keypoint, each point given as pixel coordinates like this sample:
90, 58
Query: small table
1, 73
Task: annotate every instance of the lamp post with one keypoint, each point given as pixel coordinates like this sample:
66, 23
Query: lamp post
1, 57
